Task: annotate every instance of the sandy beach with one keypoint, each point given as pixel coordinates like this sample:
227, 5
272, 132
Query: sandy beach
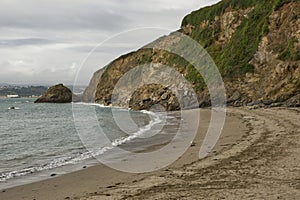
257, 157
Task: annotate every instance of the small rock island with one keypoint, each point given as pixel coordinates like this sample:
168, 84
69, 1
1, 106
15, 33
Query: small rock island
56, 94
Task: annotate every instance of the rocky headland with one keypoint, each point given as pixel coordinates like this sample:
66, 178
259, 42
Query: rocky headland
255, 45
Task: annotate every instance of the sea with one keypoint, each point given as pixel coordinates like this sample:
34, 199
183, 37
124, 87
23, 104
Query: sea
38, 141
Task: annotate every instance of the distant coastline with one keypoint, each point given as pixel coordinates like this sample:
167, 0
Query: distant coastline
13, 91
31, 97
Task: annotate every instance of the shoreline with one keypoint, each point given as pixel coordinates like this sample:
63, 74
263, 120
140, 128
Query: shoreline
101, 169
249, 161
29, 175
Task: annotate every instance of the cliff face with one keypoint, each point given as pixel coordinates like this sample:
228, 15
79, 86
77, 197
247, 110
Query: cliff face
89, 92
276, 73
255, 44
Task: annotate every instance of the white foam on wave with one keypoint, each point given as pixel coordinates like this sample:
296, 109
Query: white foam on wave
13, 108
155, 119
100, 105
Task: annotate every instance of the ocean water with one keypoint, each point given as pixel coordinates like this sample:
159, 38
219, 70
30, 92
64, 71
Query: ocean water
40, 137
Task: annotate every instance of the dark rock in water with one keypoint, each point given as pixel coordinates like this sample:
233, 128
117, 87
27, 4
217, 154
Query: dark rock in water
53, 175
57, 94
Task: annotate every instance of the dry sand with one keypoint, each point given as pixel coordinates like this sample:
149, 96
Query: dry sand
257, 157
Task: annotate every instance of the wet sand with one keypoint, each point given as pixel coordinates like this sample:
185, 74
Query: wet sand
257, 157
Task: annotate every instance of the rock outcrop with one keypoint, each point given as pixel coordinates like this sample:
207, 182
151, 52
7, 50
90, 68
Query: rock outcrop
57, 94
154, 97
255, 44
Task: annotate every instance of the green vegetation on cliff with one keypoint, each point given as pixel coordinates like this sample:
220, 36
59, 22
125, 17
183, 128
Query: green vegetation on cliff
254, 43
289, 53
233, 58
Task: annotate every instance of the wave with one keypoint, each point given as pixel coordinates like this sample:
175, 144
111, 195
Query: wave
76, 159
13, 108
101, 106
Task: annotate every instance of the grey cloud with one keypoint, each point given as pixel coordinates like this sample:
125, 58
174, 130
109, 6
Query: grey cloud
51, 35
90, 14
104, 21
23, 42
59, 15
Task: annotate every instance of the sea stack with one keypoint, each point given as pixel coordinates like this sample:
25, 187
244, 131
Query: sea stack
56, 94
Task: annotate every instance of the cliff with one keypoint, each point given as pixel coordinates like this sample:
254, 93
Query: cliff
255, 45
89, 92
57, 94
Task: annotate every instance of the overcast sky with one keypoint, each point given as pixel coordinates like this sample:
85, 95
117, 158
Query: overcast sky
47, 41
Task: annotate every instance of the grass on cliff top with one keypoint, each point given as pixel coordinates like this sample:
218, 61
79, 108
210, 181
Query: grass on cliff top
209, 13
233, 58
